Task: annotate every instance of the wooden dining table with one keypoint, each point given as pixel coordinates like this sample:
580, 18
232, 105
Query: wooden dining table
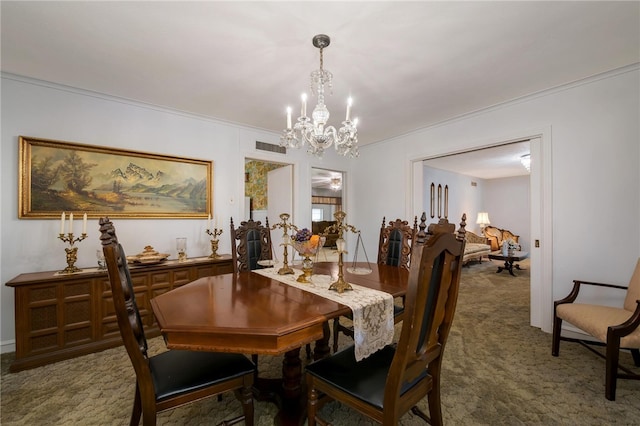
250, 313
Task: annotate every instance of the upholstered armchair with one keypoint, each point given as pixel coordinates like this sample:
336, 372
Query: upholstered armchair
615, 327
496, 236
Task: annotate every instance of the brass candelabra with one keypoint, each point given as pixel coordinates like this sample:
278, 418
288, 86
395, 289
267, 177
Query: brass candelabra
286, 241
214, 242
340, 227
72, 251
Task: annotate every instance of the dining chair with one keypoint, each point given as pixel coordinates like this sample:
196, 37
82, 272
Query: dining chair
251, 243
175, 377
394, 248
393, 380
613, 327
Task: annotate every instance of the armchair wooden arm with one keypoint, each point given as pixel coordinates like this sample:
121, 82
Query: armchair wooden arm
576, 289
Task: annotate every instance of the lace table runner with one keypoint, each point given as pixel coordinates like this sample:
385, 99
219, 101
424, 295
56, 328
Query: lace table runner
372, 309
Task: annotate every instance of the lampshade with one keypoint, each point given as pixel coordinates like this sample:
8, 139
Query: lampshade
483, 218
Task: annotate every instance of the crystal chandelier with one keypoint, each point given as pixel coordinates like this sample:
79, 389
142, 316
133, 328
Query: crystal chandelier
312, 130
336, 184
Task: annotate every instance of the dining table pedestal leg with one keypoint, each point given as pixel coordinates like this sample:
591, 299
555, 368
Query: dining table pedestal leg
293, 403
292, 375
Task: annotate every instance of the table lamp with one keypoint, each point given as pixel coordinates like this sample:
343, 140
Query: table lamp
483, 220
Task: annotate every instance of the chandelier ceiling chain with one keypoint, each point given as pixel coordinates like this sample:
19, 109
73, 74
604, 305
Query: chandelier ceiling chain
312, 130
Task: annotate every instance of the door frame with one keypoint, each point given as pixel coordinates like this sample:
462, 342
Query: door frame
265, 158
541, 185
343, 177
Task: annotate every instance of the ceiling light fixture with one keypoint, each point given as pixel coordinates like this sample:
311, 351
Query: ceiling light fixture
313, 130
336, 184
526, 161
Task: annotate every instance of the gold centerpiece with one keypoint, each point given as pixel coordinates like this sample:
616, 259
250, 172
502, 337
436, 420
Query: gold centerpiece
307, 245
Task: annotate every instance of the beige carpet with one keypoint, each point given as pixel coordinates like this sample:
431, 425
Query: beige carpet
497, 370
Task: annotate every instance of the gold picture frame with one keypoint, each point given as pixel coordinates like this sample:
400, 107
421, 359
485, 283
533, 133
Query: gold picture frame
57, 176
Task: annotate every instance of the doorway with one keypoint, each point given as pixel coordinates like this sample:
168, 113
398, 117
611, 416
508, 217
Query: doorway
540, 216
268, 192
327, 188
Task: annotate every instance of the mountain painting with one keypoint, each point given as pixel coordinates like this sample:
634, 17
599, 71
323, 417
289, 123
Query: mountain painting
60, 177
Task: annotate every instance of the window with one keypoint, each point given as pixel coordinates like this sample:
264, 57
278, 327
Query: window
317, 215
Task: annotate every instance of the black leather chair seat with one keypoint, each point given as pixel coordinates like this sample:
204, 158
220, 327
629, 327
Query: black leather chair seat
175, 372
365, 379
397, 310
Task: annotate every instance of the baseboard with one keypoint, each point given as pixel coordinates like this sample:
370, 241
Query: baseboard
8, 346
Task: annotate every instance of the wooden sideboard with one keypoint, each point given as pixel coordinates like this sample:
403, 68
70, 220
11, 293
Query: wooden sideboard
61, 316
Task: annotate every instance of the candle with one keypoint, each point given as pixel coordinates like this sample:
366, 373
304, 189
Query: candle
349, 102
71, 223
84, 224
304, 105
209, 221
288, 118
216, 220
62, 223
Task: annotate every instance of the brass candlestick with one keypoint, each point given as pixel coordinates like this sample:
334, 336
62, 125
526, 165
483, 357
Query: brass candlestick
72, 251
286, 241
340, 285
214, 242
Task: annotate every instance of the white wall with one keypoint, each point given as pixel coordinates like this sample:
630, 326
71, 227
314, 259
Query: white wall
38, 109
463, 196
592, 128
507, 202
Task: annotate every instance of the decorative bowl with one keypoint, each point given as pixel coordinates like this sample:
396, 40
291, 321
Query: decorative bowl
148, 257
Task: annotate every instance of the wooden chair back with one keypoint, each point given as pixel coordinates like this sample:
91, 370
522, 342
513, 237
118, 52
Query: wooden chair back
250, 242
633, 291
126, 308
171, 378
396, 241
393, 380
430, 306
442, 227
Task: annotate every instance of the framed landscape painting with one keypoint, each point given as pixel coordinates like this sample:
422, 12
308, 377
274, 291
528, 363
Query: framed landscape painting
67, 177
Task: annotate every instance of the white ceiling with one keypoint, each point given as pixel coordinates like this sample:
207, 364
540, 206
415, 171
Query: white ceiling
407, 65
321, 178
489, 163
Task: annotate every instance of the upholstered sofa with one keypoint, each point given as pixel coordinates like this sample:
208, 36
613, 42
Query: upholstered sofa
475, 247
496, 236
318, 229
